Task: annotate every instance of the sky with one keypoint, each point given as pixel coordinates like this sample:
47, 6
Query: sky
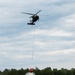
49, 43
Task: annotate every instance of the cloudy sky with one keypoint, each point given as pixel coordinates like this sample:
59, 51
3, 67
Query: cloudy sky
50, 43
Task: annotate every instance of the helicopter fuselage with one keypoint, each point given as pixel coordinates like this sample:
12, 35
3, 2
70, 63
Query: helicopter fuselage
35, 18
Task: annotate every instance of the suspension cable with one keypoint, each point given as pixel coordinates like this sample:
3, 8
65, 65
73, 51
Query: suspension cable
33, 41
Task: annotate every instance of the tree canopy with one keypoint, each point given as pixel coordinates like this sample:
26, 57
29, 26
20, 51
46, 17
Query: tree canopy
37, 71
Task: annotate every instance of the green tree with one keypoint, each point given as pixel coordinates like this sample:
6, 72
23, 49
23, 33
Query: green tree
55, 71
73, 71
47, 71
5, 72
13, 72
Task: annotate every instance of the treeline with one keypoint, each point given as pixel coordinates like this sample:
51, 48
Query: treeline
45, 71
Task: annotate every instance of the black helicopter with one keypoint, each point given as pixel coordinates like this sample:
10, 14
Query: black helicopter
34, 17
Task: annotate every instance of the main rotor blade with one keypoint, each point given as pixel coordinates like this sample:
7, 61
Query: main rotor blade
38, 12
27, 13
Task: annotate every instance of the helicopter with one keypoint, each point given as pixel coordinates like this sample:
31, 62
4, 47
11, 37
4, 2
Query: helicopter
34, 17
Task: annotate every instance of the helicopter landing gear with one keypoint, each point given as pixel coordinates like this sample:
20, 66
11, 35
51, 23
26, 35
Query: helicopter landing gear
31, 23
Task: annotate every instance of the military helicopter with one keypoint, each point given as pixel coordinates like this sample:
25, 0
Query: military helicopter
34, 17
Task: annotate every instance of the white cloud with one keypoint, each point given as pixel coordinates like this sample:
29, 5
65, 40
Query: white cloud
60, 52
68, 21
53, 32
17, 57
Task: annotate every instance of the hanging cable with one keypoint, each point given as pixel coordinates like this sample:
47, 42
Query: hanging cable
33, 41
